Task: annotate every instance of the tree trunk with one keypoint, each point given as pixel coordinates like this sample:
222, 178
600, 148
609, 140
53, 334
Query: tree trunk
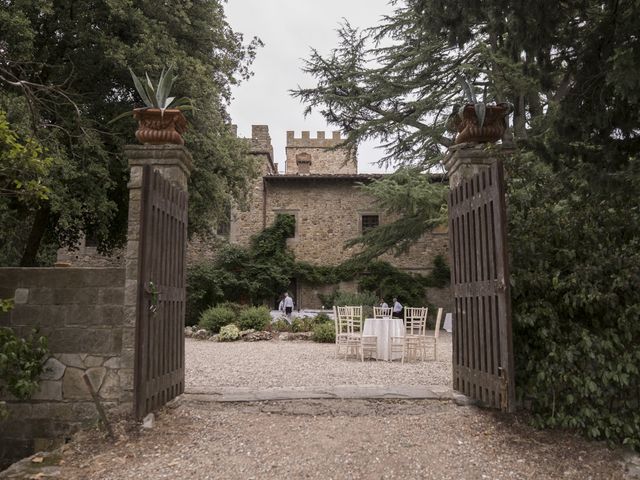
38, 228
519, 118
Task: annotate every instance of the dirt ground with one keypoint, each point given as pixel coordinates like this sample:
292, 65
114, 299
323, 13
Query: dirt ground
332, 439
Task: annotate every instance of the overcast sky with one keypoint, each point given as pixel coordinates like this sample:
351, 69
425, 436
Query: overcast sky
289, 28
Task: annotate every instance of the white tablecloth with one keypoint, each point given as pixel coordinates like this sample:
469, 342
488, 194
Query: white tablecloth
384, 329
448, 323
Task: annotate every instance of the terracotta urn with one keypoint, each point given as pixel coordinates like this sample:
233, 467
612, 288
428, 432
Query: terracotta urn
492, 130
158, 128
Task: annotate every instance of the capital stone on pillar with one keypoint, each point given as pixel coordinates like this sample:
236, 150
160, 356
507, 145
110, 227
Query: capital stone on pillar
173, 161
464, 160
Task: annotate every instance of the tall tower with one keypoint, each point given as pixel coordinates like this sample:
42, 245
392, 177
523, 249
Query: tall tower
306, 155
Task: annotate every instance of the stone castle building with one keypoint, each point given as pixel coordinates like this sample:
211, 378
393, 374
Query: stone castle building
320, 189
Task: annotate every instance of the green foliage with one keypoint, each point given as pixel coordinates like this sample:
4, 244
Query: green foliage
324, 333
364, 298
229, 333
575, 269
256, 318
440, 275
21, 362
158, 96
205, 288
418, 202
281, 325
321, 318
251, 275
64, 73
6, 304
304, 324
236, 307
391, 282
214, 318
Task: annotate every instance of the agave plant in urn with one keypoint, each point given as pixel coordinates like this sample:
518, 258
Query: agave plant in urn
478, 122
161, 120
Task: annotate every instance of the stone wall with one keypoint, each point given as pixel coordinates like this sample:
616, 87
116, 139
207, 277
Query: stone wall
319, 151
248, 221
88, 256
80, 310
328, 213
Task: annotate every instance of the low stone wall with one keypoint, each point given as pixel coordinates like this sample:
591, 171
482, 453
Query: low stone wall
80, 310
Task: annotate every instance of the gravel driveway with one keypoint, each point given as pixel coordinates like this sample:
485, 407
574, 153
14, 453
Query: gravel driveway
303, 364
323, 439
333, 439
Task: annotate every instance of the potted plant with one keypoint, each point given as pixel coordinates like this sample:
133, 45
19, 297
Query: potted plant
478, 122
161, 120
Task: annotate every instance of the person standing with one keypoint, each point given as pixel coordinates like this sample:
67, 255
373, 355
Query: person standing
397, 308
288, 305
281, 304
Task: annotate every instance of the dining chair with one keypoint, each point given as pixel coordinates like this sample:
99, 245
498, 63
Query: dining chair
342, 336
382, 312
433, 340
348, 328
414, 342
356, 343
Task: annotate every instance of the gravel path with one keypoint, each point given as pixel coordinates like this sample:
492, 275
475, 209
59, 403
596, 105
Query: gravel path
303, 364
334, 439
323, 439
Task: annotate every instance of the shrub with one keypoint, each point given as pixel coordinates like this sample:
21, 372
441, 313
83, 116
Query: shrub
229, 333
21, 363
440, 275
321, 318
304, 324
324, 333
256, 318
281, 325
205, 283
366, 299
214, 318
237, 308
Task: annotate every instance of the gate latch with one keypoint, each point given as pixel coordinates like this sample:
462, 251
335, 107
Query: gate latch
152, 290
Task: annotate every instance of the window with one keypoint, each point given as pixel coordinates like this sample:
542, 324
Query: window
303, 161
369, 222
224, 228
293, 219
292, 233
91, 240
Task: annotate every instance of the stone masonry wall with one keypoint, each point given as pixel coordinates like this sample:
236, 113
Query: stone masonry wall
80, 310
247, 222
328, 213
323, 159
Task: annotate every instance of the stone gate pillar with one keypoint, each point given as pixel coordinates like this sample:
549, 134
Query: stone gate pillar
174, 163
464, 160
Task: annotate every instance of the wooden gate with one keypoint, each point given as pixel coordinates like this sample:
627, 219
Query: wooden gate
159, 362
482, 340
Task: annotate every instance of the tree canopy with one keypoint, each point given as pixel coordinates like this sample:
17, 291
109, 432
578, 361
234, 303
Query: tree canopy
64, 75
571, 70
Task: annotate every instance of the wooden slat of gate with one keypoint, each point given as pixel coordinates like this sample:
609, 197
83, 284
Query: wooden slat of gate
159, 369
482, 343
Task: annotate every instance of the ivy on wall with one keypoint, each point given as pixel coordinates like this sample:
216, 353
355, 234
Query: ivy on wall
263, 270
